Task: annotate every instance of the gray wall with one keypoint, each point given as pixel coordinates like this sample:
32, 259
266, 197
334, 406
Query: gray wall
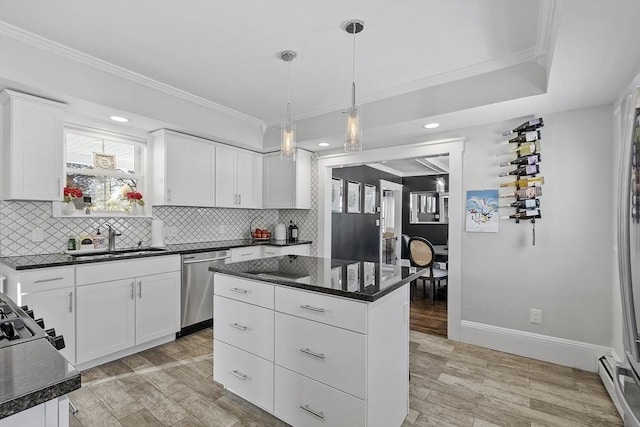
437, 234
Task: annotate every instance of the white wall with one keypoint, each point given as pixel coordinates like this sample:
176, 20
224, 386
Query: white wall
568, 272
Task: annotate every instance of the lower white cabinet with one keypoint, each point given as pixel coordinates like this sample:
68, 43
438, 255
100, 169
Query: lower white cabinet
57, 308
119, 314
347, 367
271, 251
54, 413
245, 253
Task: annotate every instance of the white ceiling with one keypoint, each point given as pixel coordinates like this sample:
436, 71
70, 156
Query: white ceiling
460, 62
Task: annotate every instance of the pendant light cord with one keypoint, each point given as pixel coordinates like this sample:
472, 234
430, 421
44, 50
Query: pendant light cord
289, 91
353, 70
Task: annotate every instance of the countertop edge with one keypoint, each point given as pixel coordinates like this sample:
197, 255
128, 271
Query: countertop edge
34, 398
169, 251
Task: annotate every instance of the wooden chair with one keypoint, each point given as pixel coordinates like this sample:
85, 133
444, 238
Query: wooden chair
421, 255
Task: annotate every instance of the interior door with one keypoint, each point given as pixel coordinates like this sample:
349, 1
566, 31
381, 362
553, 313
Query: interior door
390, 222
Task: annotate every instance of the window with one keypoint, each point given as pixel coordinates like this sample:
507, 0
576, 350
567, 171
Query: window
105, 166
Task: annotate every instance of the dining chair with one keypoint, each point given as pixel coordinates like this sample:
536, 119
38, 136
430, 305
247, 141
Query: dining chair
422, 254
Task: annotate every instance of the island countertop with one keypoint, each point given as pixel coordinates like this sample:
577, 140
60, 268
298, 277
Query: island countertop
358, 280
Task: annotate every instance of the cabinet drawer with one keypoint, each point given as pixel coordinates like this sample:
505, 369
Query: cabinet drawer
271, 251
331, 355
334, 311
246, 375
245, 326
237, 288
296, 250
117, 270
45, 279
246, 253
301, 401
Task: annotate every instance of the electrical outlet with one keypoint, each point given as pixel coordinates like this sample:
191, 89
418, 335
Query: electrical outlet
170, 231
536, 316
37, 235
222, 229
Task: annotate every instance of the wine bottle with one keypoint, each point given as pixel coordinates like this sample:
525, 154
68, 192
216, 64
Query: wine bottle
525, 193
525, 182
526, 204
528, 160
526, 126
533, 135
522, 171
527, 149
533, 213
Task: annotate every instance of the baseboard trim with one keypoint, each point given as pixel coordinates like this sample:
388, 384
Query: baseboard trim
562, 351
128, 352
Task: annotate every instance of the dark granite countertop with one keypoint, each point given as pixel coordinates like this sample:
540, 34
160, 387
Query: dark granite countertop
32, 372
27, 262
364, 281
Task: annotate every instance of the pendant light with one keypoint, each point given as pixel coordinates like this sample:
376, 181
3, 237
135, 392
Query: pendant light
288, 137
353, 136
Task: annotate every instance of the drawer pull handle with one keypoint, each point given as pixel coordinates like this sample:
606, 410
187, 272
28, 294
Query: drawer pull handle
309, 307
238, 326
53, 279
238, 290
312, 353
307, 408
243, 377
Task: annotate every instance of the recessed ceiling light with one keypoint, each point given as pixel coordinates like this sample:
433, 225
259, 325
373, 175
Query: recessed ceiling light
431, 125
323, 144
119, 119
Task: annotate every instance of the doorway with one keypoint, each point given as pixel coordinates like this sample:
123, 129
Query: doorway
453, 148
390, 222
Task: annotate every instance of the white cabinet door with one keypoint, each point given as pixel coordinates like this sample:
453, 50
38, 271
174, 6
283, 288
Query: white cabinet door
157, 306
287, 184
182, 170
249, 179
106, 318
226, 171
57, 308
32, 137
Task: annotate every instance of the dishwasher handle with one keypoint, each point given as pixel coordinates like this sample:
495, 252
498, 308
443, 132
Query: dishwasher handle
197, 261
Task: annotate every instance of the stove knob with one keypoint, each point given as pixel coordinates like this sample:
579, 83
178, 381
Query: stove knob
40, 322
51, 332
29, 313
24, 307
57, 342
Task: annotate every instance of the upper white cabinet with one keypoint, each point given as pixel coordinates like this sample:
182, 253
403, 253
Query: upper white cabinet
183, 170
238, 178
287, 184
32, 146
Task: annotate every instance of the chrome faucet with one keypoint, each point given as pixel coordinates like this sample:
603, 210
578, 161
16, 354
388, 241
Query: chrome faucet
112, 233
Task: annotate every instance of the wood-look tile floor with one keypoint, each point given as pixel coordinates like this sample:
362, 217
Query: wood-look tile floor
452, 384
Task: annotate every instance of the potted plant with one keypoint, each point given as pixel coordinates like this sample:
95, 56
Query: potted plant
135, 200
70, 194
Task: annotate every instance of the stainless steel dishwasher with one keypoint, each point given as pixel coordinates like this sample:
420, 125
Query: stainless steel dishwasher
197, 289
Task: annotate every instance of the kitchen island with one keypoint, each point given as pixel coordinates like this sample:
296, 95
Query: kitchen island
315, 341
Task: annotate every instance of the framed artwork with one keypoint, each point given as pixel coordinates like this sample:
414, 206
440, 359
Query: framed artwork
353, 197
481, 214
369, 199
336, 195
353, 277
105, 162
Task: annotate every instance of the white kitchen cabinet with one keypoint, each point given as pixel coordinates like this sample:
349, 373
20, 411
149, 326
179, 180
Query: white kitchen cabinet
183, 170
245, 253
53, 413
336, 361
271, 251
105, 318
57, 308
238, 178
32, 147
50, 293
287, 184
117, 312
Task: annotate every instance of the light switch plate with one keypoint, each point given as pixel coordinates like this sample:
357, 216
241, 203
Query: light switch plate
37, 235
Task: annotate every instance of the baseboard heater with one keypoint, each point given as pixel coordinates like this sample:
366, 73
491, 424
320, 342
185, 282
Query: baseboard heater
606, 371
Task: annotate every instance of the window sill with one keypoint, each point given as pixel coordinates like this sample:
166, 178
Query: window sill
56, 212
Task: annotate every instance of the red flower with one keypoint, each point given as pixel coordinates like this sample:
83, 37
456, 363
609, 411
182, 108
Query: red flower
72, 193
134, 196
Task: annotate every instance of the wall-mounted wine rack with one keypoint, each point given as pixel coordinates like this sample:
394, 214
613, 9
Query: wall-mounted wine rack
528, 181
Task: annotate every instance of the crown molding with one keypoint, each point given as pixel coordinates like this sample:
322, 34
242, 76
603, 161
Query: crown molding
516, 58
51, 46
545, 28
